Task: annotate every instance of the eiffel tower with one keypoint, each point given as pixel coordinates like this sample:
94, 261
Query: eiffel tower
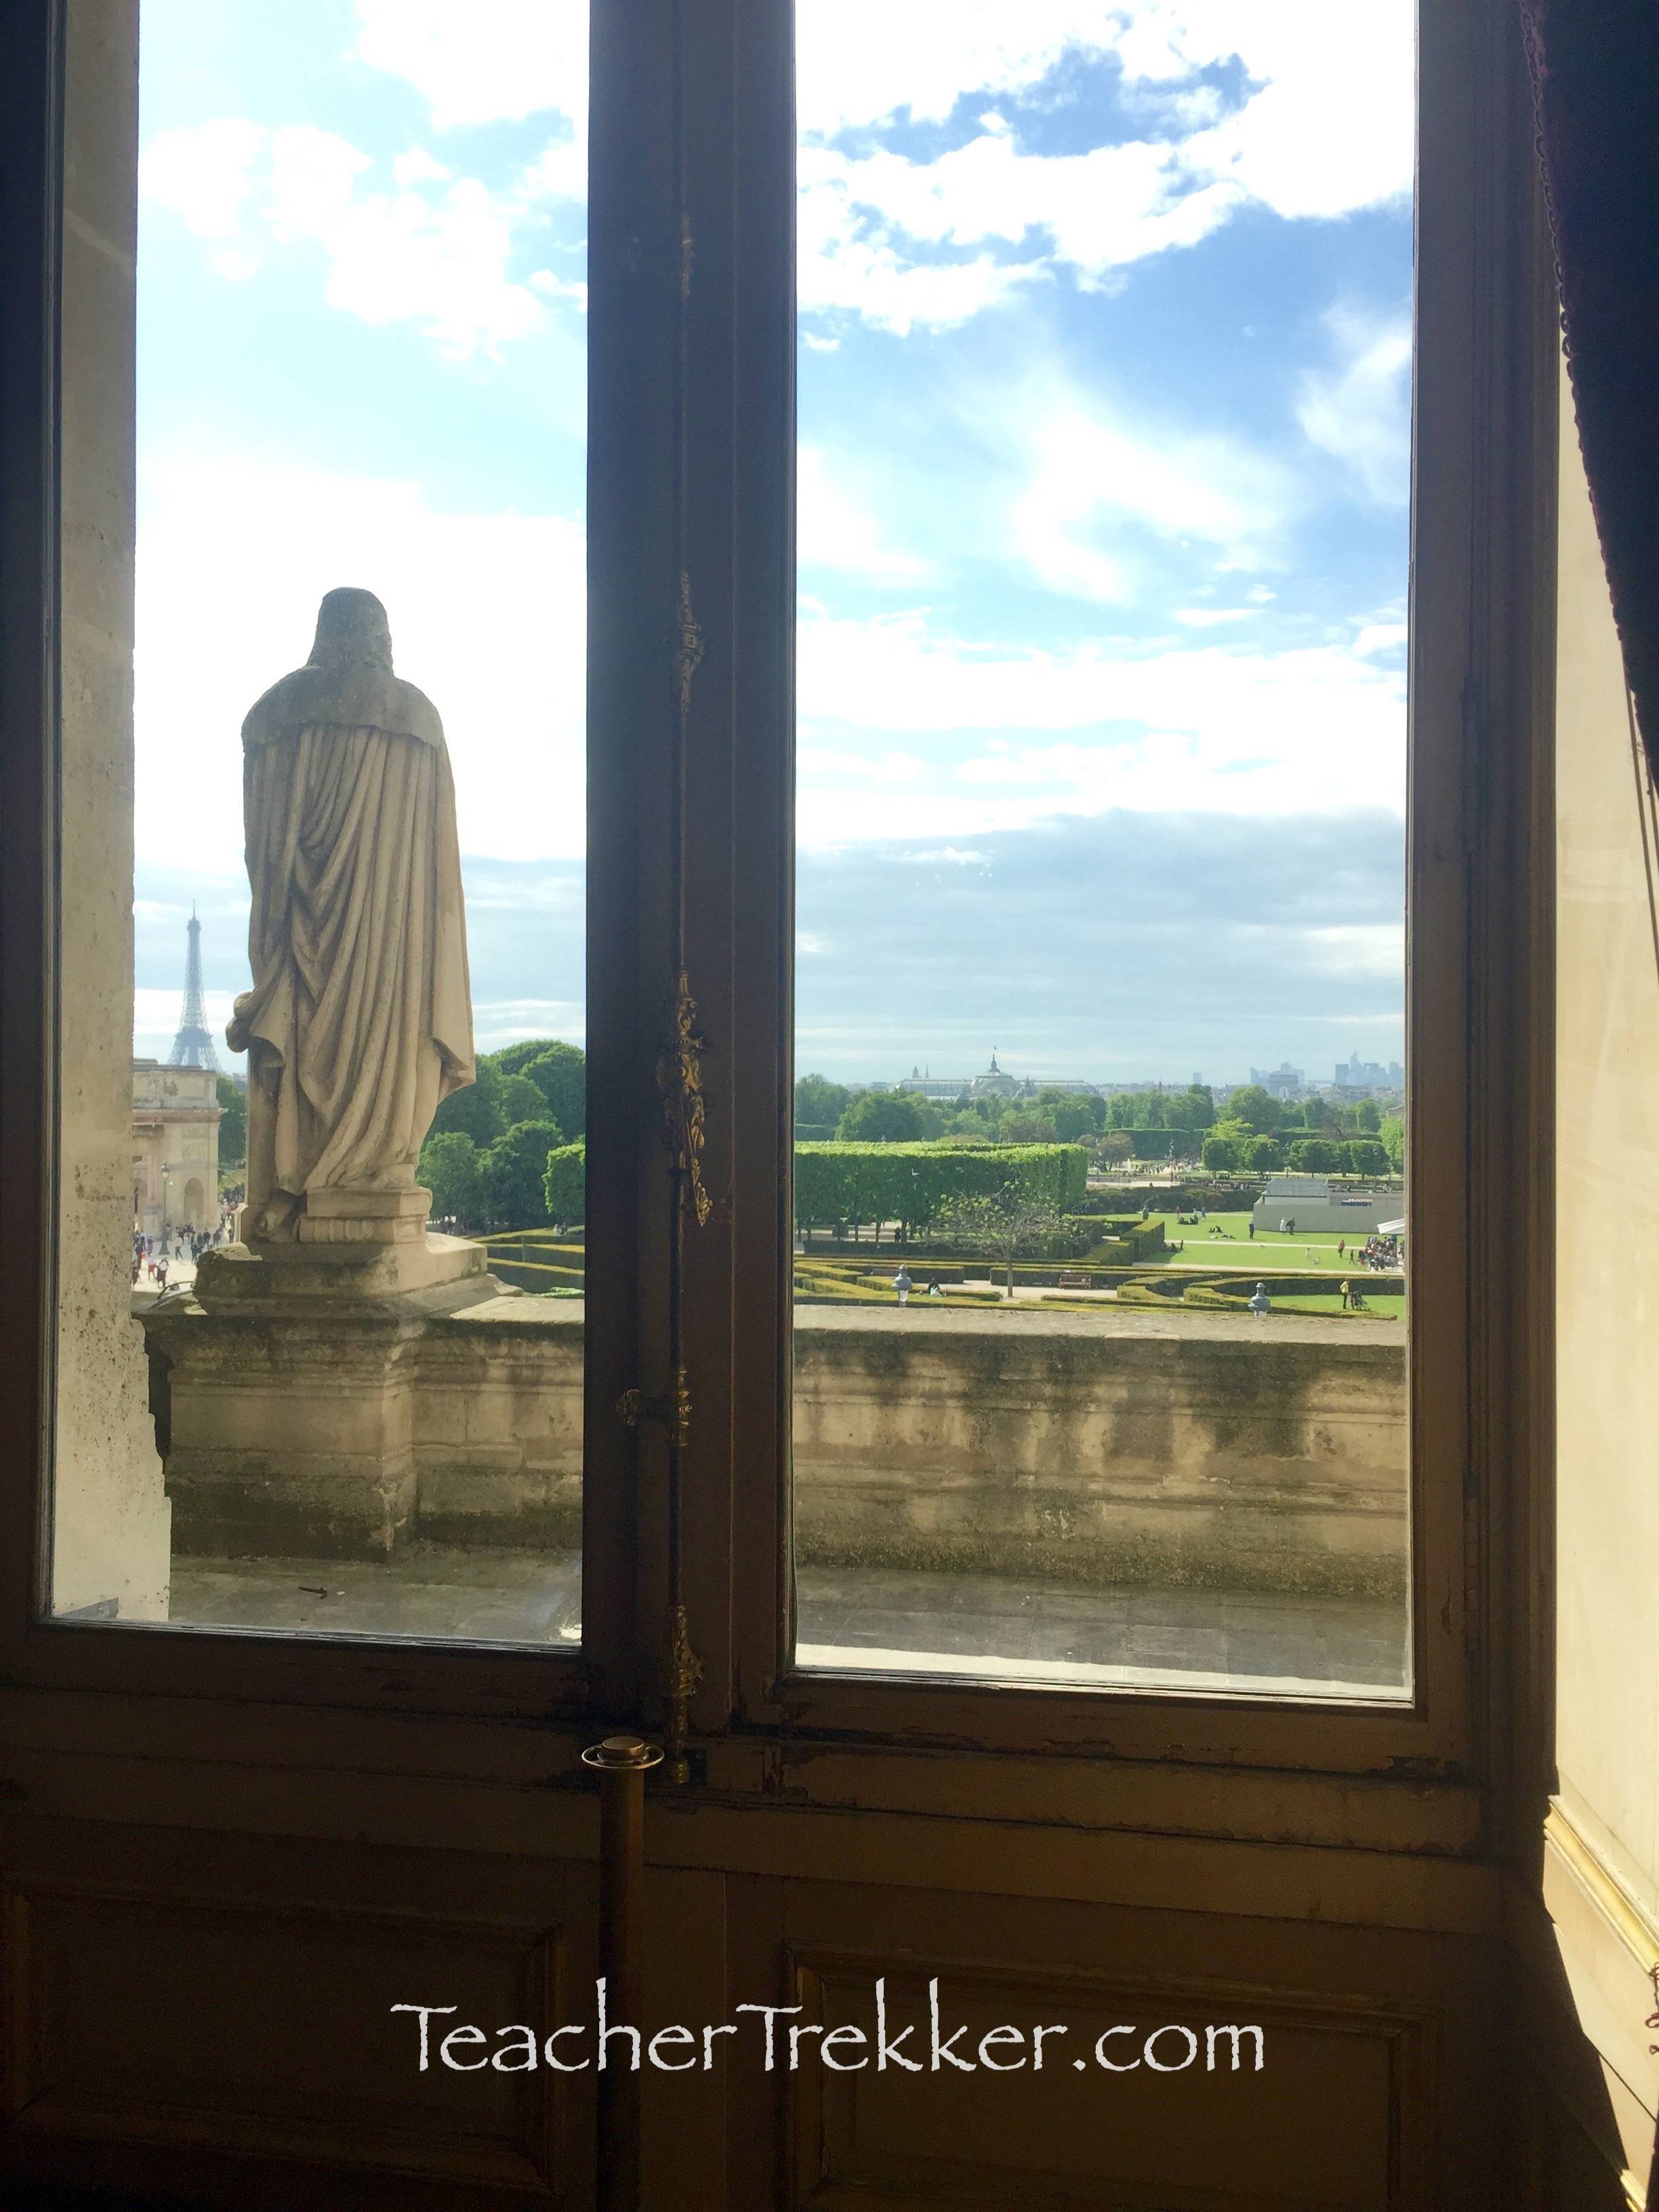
193, 1045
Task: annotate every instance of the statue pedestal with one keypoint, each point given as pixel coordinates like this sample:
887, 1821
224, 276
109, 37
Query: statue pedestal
291, 1385
432, 1274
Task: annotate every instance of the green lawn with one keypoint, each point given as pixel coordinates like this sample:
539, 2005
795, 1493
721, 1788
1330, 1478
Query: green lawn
1380, 1305
1236, 1248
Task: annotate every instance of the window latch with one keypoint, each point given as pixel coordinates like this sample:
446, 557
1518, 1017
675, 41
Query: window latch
670, 1409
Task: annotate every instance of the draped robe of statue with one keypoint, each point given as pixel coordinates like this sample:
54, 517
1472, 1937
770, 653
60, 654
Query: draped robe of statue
360, 1019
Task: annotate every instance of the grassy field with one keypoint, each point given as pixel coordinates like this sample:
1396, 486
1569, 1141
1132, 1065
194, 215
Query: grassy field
1236, 1248
1384, 1306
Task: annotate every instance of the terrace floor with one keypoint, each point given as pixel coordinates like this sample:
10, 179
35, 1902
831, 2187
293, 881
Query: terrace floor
862, 1619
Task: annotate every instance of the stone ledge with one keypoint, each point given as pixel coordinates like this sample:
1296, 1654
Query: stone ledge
1218, 1453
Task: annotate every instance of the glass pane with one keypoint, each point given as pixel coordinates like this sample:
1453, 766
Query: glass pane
1105, 354
354, 1105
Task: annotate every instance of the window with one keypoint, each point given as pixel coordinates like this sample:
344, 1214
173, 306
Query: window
709, 1591
1105, 328
360, 401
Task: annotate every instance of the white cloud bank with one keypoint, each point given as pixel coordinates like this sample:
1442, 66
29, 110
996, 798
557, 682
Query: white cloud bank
1019, 736
487, 616
416, 244
1325, 128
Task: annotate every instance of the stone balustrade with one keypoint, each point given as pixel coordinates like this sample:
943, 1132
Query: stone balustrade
1120, 1447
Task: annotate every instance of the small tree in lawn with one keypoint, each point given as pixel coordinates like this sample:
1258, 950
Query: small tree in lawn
1001, 1224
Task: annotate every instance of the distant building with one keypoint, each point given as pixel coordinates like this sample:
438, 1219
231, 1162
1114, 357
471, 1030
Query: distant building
1310, 1202
1357, 1074
175, 1147
994, 1083
1281, 1082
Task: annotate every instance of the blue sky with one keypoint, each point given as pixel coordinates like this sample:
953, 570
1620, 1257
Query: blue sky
1103, 403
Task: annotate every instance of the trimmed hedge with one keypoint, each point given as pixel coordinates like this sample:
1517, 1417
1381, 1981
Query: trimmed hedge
910, 1183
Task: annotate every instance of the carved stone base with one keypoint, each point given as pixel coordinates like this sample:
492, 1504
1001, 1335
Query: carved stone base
438, 1274
365, 1217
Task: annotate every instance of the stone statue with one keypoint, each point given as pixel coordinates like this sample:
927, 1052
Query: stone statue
360, 1019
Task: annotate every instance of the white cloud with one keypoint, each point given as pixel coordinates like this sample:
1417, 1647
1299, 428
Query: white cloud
1021, 735
493, 61
487, 616
202, 173
436, 251
860, 61
836, 530
1381, 637
1325, 127
1088, 474
1359, 409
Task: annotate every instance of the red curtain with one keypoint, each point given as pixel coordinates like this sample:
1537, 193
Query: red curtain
1595, 78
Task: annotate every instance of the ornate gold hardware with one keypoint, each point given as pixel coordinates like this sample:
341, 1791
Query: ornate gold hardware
671, 1407
679, 1078
684, 1672
687, 643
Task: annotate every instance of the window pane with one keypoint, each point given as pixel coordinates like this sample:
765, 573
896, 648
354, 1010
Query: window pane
1104, 466
360, 434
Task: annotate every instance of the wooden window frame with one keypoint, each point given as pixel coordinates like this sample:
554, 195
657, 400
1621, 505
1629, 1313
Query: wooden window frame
691, 613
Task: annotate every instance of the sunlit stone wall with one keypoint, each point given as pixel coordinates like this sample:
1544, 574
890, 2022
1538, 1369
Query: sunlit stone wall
1151, 1449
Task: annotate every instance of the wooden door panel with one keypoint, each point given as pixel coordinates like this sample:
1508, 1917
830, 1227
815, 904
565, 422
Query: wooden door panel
223, 2042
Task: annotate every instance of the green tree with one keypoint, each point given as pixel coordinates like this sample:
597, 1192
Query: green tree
819, 1102
564, 1184
513, 1172
1191, 1109
560, 1074
1125, 1109
1263, 1154
449, 1169
1076, 1114
1320, 1114
1392, 1136
513, 1058
1220, 1152
1001, 1223
475, 1111
1025, 1126
1368, 1117
232, 1123
1315, 1155
882, 1118
518, 1099
1367, 1156
1253, 1106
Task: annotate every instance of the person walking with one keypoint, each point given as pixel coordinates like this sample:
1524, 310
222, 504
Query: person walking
1347, 1294
1253, 1228
903, 1286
